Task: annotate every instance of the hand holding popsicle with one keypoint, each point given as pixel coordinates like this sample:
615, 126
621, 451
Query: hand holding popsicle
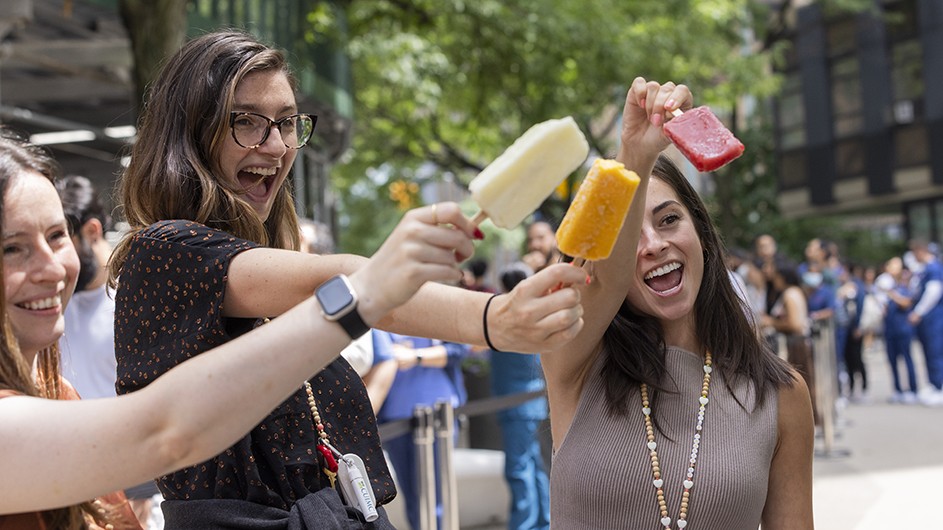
648, 104
515, 183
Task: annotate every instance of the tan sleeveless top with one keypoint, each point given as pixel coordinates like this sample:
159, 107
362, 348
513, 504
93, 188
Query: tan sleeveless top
601, 476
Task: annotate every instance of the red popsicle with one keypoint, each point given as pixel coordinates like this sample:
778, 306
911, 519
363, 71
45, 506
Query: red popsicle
703, 139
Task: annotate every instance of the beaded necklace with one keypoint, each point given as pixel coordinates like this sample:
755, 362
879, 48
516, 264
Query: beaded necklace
324, 444
688, 482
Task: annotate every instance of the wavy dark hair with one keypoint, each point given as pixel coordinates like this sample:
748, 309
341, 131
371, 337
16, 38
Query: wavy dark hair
174, 169
634, 344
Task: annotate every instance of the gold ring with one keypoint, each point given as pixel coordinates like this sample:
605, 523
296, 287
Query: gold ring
435, 215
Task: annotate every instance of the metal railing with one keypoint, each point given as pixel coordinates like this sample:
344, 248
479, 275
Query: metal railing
437, 423
826, 387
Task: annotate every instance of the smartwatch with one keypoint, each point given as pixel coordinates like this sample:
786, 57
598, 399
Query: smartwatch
339, 304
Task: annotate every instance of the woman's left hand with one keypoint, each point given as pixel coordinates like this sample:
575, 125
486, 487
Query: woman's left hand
541, 313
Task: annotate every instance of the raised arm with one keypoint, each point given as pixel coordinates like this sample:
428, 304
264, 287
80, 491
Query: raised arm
646, 105
57, 453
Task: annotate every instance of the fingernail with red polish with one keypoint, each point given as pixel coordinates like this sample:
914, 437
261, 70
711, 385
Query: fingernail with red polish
459, 257
589, 280
479, 235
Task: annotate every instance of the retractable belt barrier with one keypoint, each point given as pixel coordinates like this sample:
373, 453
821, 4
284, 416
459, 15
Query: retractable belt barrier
395, 429
429, 424
826, 377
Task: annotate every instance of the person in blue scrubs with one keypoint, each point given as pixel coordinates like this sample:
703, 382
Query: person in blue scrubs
429, 371
524, 470
927, 317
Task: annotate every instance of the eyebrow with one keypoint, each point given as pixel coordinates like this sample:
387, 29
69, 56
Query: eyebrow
58, 224
666, 204
250, 107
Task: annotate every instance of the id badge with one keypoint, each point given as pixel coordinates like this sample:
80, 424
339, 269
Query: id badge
355, 484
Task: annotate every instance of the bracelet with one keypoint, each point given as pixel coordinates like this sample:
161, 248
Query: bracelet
484, 323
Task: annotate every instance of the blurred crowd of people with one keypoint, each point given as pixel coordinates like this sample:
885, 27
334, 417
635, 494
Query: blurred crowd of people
897, 302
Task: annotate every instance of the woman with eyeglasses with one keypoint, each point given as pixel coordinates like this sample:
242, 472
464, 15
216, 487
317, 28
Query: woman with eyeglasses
211, 254
58, 452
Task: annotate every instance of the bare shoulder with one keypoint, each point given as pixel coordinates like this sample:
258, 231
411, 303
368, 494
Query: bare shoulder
795, 407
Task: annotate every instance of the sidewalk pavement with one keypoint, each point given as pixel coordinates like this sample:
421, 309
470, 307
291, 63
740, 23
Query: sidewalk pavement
890, 478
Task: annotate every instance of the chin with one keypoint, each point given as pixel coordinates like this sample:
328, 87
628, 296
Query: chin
262, 210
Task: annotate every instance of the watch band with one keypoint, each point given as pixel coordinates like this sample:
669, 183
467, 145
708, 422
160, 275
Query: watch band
353, 324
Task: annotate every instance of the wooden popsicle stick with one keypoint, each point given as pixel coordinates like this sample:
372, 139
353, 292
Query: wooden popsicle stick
479, 218
576, 262
677, 112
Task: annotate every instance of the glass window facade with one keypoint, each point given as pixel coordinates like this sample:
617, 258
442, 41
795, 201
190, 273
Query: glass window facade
792, 113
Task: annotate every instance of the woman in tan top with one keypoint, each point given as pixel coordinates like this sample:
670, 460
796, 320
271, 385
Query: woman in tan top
666, 411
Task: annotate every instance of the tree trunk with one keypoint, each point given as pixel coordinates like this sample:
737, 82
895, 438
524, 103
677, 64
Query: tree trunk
156, 29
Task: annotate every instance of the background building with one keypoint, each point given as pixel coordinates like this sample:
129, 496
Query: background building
860, 122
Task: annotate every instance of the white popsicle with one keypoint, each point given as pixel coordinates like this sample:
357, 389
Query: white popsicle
515, 183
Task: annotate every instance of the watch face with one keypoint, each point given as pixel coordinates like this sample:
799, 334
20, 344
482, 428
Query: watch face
335, 295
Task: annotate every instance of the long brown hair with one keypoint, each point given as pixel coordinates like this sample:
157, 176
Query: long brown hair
634, 343
18, 156
174, 171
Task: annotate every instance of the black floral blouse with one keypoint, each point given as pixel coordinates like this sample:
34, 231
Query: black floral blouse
168, 309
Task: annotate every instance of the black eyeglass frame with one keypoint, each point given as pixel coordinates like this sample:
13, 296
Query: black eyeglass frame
268, 129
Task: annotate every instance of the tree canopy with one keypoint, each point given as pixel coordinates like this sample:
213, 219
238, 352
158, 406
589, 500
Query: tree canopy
442, 87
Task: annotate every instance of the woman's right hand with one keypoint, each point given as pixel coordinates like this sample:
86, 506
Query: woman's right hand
426, 246
648, 104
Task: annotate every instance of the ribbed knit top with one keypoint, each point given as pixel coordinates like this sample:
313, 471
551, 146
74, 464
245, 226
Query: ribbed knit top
601, 476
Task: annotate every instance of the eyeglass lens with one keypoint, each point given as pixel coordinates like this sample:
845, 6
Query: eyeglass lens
251, 130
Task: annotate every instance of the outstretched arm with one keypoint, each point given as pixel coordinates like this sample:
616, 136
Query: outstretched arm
647, 104
57, 453
266, 282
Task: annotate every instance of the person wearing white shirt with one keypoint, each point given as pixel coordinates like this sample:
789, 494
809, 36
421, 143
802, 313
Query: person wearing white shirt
88, 345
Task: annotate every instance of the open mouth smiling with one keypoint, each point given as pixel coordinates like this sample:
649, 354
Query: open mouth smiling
257, 181
664, 279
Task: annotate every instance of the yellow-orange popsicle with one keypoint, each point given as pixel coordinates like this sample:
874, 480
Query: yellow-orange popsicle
592, 223
515, 183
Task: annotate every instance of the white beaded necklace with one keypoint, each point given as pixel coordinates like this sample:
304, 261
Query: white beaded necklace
688, 482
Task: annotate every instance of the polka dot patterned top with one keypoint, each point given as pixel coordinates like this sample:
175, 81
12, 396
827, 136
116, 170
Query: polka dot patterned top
168, 309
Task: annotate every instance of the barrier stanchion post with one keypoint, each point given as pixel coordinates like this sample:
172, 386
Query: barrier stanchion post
424, 439
824, 361
445, 434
